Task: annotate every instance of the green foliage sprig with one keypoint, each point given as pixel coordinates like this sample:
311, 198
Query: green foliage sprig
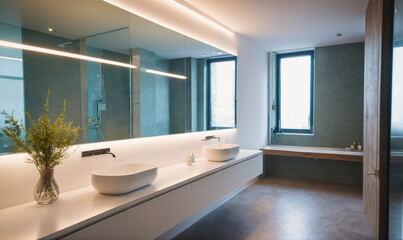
46, 143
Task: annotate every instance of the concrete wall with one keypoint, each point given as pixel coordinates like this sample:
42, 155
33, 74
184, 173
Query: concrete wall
338, 118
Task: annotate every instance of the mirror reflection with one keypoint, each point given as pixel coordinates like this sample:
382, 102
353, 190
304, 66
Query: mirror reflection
134, 77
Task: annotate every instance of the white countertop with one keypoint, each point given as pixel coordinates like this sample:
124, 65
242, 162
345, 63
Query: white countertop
82, 207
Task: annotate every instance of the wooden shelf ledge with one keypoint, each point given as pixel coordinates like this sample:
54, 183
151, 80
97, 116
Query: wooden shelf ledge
314, 152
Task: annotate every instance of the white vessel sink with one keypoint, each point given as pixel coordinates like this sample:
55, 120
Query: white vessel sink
220, 152
123, 179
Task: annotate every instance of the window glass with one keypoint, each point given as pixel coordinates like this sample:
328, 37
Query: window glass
397, 93
295, 92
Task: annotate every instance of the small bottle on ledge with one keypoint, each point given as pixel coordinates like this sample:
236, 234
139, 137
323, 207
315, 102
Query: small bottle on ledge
353, 147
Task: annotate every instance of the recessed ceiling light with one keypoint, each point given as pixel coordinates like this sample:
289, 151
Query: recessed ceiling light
339, 34
51, 30
219, 52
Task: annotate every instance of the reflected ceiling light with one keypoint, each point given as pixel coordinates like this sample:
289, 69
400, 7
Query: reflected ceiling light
165, 74
219, 52
51, 30
63, 54
11, 58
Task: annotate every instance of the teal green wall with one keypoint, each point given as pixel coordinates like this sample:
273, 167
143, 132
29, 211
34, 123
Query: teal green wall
62, 76
116, 81
154, 94
58, 74
177, 96
94, 87
323, 170
338, 118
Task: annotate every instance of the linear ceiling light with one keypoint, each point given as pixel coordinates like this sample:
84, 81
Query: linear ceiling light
165, 74
63, 54
11, 58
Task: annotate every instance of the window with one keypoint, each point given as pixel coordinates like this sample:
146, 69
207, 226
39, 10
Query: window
222, 93
397, 92
295, 92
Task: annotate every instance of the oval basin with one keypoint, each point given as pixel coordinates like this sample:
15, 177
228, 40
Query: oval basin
220, 152
123, 179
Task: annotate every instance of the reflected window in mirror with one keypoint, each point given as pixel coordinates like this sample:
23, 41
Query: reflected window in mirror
222, 93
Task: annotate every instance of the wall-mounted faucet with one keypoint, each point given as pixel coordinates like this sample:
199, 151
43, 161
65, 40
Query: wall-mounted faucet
97, 152
208, 138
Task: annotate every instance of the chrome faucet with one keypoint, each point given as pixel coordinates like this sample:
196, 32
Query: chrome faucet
208, 138
97, 152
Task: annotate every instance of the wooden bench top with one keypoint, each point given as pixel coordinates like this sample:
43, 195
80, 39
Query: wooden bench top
314, 152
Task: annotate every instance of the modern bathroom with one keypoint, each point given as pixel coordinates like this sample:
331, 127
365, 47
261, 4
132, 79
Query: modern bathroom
190, 119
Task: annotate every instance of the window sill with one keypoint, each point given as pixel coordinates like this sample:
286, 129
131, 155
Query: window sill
296, 134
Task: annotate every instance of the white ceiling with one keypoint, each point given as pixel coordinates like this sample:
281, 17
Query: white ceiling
280, 25
275, 25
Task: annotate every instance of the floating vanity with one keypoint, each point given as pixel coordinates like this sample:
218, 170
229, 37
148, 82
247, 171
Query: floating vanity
178, 193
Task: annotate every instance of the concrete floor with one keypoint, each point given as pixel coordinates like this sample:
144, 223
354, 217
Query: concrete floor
275, 208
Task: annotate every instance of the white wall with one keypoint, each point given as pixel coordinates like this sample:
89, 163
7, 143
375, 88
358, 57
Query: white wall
17, 178
252, 105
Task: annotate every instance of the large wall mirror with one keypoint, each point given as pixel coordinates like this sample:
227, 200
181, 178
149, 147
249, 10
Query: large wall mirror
134, 77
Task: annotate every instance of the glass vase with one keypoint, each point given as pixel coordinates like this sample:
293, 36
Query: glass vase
46, 190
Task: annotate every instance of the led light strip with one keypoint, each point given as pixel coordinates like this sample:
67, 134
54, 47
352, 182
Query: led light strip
63, 54
78, 56
128, 6
11, 58
165, 74
204, 17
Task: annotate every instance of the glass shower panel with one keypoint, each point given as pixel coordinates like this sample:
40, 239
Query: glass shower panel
109, 85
